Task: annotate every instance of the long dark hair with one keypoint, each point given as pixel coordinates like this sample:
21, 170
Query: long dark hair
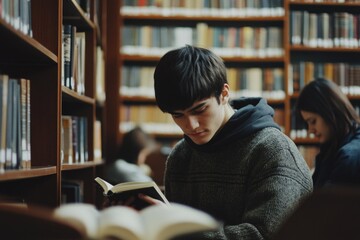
325, 98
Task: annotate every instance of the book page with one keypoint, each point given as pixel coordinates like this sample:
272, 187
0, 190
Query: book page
163, 222
121, 222
104, 184
80, 213
121, 187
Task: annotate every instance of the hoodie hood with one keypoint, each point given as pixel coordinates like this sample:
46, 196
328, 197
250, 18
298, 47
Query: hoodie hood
251, 115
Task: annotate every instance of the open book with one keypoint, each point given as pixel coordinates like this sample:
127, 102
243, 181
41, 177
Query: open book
157, 222
123, 191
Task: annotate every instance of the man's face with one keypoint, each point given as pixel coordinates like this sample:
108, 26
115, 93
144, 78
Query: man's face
203, 119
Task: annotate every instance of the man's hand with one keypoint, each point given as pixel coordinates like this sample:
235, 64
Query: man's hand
131, 201
150, 200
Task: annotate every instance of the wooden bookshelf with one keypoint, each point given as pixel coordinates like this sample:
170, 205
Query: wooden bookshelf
291, 53
38, 58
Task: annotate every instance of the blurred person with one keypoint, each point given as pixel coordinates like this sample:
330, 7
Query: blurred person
330, 116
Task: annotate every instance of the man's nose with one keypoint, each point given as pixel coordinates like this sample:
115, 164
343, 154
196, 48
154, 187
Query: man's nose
192, 122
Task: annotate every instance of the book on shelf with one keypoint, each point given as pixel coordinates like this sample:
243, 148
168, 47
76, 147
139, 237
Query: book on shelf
66, 41
97, 141
157, 222
67, 139
123, 191
14, 123
4, 105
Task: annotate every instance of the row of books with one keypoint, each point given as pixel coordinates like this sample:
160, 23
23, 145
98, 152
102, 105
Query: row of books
18, 14
152, 120
254, 82
340, 29
299, 128
225, 41
74, 139
204, 8
15, 146
265, 82
73, 59
346, 75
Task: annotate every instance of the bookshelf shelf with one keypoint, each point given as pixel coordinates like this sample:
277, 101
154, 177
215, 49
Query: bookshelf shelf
19, 49
137, 99
27, 173
75, 15
325, 50
76, 166
202, 18
142, 58
72, 96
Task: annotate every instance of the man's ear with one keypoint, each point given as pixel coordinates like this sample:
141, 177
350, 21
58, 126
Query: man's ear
225, 94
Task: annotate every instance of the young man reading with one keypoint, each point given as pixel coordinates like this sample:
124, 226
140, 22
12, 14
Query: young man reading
232, 163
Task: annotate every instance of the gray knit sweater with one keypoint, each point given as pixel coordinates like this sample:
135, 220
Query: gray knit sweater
250, 184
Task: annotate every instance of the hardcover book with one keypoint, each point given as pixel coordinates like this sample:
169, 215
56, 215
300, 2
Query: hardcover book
123, 191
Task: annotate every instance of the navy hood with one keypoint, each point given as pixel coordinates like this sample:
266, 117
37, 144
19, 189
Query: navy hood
251, 115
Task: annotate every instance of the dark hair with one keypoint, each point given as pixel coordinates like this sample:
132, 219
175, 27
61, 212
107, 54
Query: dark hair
186, 75
325, 98
133, 142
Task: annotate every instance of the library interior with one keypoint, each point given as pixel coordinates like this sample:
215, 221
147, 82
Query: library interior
77, 101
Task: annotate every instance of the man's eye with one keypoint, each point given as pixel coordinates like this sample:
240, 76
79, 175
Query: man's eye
176, 115
201, 110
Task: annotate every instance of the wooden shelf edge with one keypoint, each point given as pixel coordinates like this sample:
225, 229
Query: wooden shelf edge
76, 166
127, 99
324, 49
74, 14
38, 53
128, 57
201, 18
70, 95
18, 174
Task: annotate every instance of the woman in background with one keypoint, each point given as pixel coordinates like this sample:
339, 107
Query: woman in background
331, 117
